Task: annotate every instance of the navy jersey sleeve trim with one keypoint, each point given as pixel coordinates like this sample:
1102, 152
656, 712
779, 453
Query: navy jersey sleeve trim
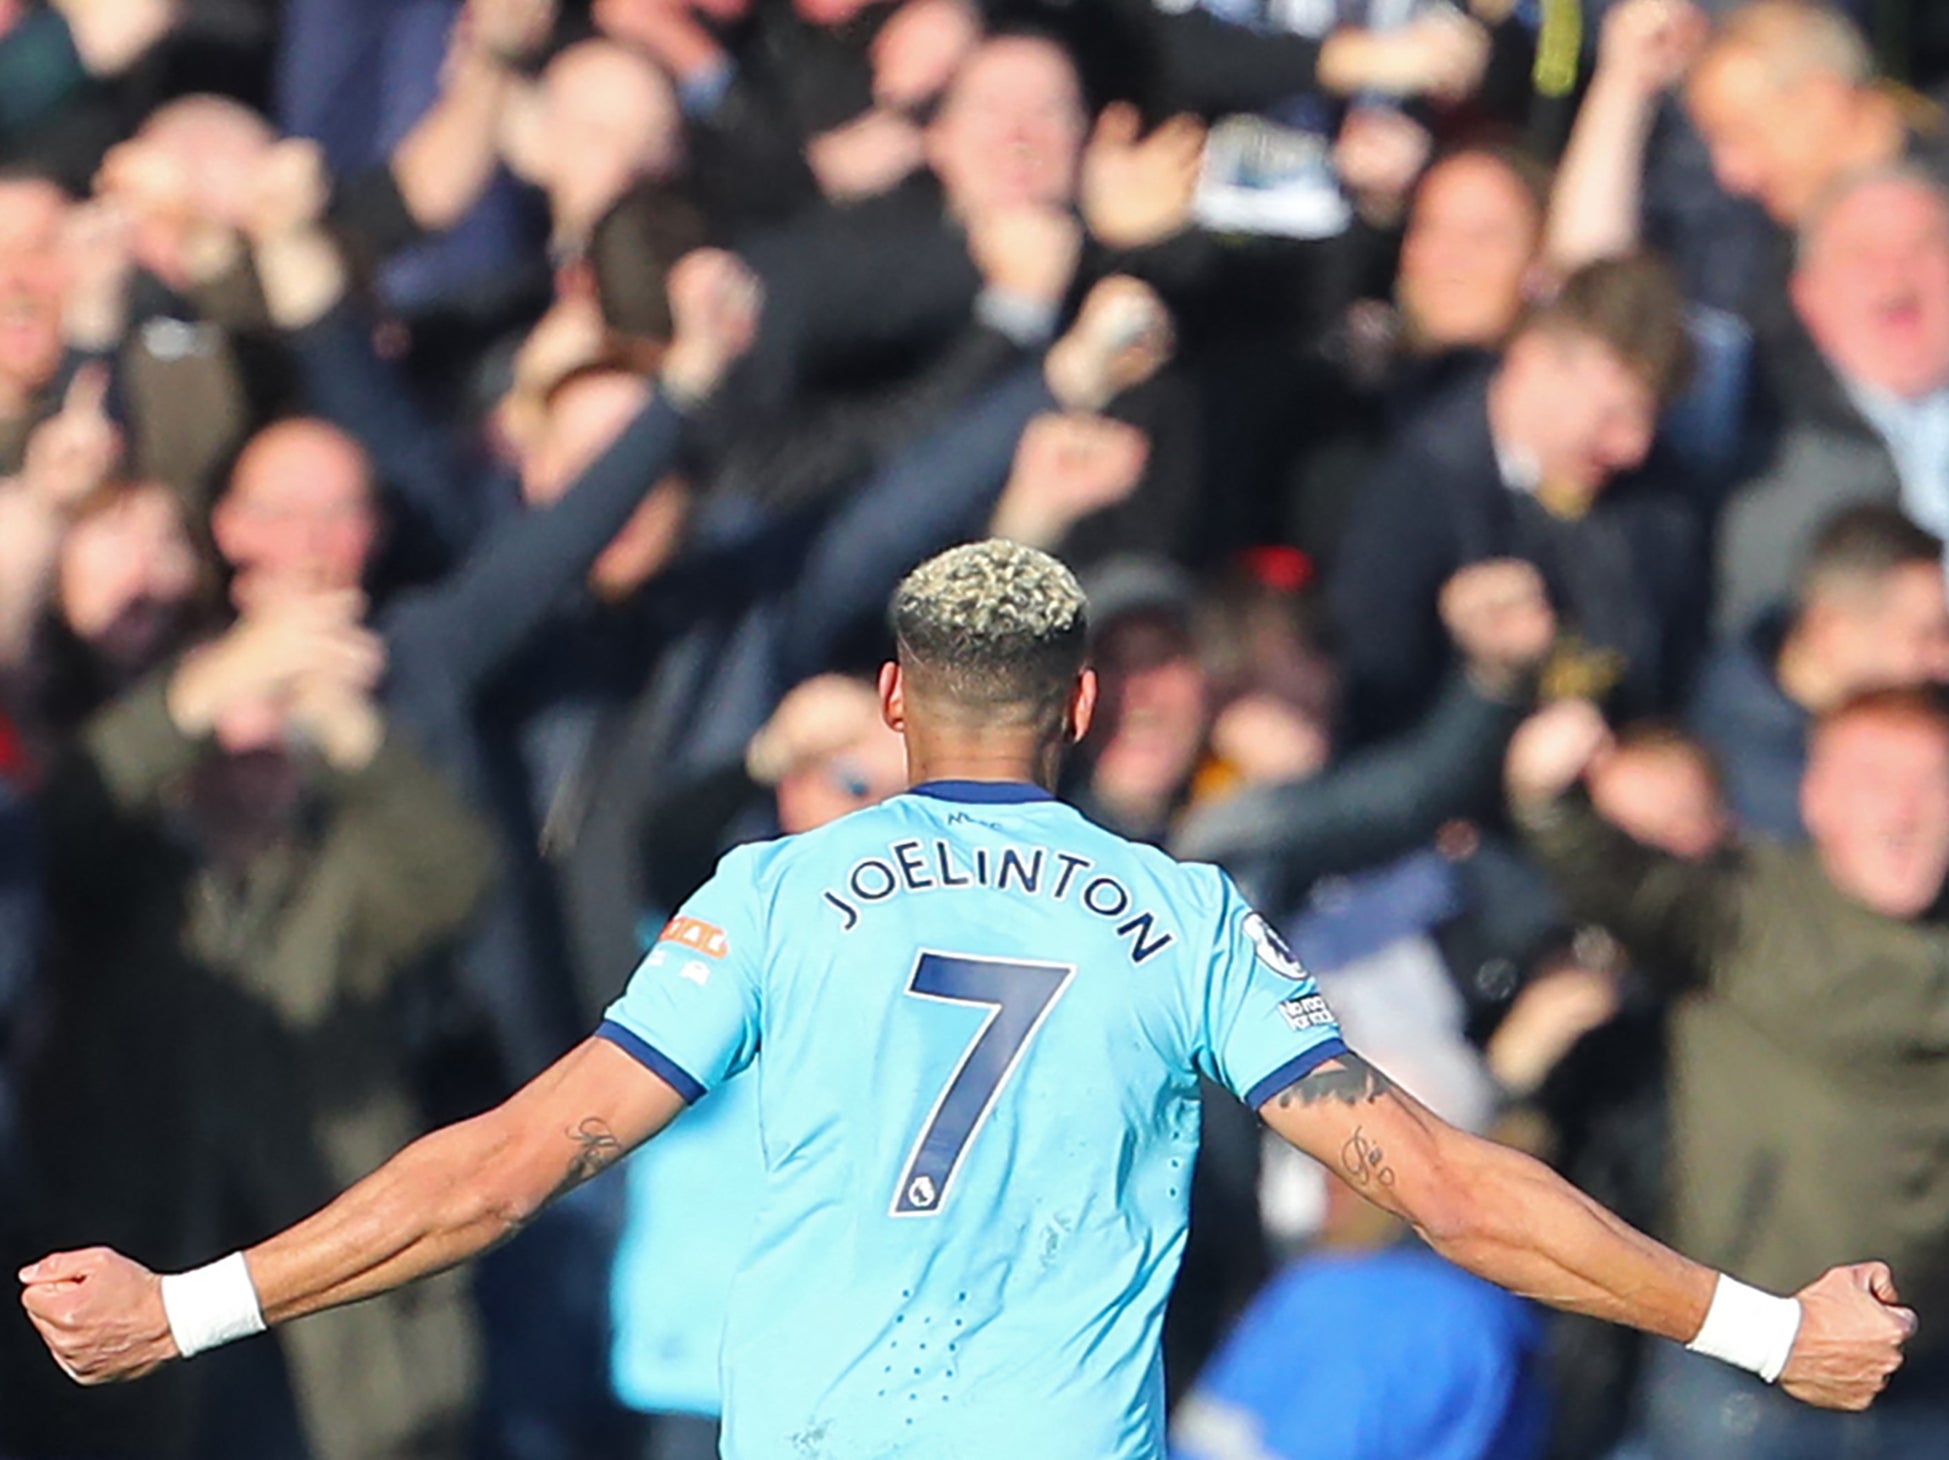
991, 793
1297, 1068
652, 1059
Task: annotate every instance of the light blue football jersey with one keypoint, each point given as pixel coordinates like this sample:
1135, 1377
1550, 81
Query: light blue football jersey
982, 1019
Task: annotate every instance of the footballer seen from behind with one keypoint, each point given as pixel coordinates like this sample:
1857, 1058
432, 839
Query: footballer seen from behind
978, 1023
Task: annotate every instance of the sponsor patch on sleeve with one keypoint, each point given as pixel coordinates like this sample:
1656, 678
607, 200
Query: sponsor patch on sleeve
1305, 1011
695, 933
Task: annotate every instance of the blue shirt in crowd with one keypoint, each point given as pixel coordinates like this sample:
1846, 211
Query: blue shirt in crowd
1377, 1356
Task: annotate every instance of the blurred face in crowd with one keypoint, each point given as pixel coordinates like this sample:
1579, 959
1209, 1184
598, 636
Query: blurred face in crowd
609, 117
585, 416
1152, 710
1872, 286
1891, 634
32, 280
218, 142
1774, 136
193, 158
1663, 794
861, 773
1472, 240
1577, 406
299, 512
128, 575
1876, 803
1010, 129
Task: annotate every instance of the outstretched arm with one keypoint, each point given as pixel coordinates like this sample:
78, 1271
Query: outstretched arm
442, 1200
1595, 206
1388, 798
1508, 1218
1212, 66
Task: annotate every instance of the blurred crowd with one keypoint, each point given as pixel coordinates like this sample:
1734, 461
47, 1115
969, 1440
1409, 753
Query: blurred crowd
454, 457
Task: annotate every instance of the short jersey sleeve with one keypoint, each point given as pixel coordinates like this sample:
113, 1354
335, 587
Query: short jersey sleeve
690, 1011
1264, 1022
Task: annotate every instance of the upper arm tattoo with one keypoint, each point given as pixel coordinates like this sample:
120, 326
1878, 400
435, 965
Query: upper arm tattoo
1348, 1080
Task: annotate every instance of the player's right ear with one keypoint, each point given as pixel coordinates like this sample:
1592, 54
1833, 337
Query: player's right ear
893, 698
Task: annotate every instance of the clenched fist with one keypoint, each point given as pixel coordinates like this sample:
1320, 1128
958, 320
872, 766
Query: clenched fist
1498, 613
1121, 339
99, 1313
1554, 747
1852, 1328
1649, 44
714, 306
1067, 467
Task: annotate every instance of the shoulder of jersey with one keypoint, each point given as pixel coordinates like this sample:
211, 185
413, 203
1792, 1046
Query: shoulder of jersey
1198, 883
1201, 882
758, 859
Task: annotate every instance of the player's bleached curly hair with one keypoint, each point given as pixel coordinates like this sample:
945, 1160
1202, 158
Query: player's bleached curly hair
994, 629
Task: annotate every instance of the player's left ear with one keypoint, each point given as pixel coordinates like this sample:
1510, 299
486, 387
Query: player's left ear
1082, 706
893, 698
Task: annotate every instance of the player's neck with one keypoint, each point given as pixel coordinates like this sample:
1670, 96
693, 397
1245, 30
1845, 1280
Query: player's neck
1022, 760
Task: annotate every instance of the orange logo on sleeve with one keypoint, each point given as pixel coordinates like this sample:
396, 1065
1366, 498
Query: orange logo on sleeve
697, 934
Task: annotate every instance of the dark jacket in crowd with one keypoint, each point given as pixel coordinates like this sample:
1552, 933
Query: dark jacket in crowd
1823, 459
860, 297
1627, 579
1809, 1055
225, 1056
1757, 735
791, 81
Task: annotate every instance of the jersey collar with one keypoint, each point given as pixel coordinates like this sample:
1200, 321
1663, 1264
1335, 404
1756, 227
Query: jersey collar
988, 793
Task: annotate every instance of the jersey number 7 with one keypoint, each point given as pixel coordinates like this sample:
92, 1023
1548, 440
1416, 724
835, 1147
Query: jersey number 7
1018, 997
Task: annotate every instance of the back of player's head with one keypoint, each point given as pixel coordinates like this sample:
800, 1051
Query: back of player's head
992, 633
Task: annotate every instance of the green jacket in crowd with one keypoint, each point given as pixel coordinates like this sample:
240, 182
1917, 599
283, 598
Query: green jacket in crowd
225, 1053
1809, 1056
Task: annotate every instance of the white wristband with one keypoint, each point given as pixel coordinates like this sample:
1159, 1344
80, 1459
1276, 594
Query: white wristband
211, 1305
1749, 1329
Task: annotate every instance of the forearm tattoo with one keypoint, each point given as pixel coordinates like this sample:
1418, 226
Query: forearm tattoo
1364, 1161
596, 1149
